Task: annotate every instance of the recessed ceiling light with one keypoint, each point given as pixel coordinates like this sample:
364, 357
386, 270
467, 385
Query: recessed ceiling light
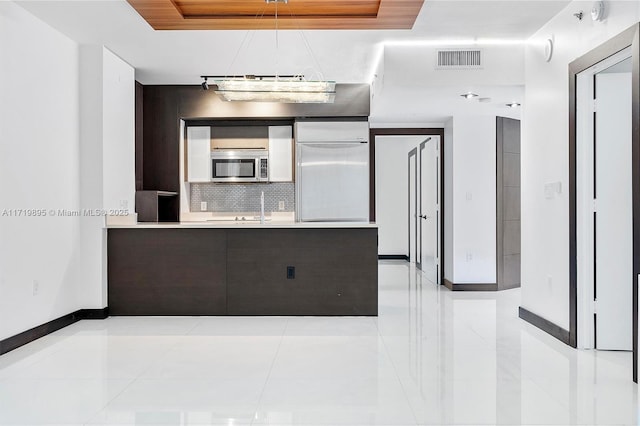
513, 105
469, 95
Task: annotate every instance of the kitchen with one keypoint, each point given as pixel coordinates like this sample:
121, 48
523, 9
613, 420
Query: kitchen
244, 206
489, 367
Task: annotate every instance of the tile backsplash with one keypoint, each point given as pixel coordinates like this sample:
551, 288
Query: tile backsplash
225, 197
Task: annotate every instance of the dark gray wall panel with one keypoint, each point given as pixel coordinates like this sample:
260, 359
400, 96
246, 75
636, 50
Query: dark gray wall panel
511, 167
511, 135
511, 200
511, 237
508, 208
511, 271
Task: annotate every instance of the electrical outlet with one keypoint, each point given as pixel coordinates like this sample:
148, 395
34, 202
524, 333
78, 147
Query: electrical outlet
549, 282
280, 205
36, 287
469, 196
203, 206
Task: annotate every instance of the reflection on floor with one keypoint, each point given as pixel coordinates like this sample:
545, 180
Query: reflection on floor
431, 357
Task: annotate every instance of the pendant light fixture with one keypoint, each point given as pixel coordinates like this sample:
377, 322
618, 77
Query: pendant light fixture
277, 88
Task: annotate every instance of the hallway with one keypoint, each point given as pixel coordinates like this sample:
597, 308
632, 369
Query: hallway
431, 357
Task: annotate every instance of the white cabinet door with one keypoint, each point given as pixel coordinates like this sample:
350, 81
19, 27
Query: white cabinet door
199, 154
280, 154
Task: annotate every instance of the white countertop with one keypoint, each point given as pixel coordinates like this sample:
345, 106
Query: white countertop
220, 224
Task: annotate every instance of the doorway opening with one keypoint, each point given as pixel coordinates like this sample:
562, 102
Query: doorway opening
604, 204
604, 196
423, 207
409, 218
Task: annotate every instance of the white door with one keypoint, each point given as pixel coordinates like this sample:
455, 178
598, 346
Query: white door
412, 177
429, 177
613, 208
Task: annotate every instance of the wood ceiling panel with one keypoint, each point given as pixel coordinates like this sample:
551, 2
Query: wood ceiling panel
297, 14
258, 8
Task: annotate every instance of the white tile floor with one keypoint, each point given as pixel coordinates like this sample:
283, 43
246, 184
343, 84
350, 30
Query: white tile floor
431, 357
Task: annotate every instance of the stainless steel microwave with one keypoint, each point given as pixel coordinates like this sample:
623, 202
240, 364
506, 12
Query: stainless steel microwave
240, 165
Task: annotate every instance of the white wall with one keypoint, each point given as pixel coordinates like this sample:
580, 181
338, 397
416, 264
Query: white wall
470, 172
66, 143
118, 141
501, 65
107, 155
392, 192
474, 200
91, 193
545, 156
39, 154
421, 96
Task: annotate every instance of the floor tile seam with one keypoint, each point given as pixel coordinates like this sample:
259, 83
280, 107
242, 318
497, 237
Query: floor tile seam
566, 406
88, 421
89, 418
397, 376
194, 326
266, 380
166, 351
37, 361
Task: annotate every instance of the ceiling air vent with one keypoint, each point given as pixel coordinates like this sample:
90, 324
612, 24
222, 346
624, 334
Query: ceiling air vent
459, 59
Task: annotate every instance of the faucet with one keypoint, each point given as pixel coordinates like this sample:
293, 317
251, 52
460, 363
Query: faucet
262, 207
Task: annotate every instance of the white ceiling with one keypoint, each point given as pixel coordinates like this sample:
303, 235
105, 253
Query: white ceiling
347, 56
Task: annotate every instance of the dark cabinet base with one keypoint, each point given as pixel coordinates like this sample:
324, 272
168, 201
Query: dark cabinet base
260, 271
167, 271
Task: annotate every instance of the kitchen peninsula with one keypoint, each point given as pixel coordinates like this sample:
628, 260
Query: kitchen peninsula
209, 268
214, 158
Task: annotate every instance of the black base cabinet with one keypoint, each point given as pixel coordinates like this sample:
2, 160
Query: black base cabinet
258, 271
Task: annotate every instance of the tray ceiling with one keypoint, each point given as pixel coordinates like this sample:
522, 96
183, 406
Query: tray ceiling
296, 14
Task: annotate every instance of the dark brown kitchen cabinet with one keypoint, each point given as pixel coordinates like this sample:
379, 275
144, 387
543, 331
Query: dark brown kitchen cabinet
335, 272
157, 206
242, 271
167, 271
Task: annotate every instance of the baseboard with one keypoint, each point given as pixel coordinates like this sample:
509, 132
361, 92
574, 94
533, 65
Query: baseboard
470, 287
21, 339
393, 257
544, 325
94, 313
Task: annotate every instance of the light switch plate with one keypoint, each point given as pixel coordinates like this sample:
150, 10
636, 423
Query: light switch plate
280, 205
203, 206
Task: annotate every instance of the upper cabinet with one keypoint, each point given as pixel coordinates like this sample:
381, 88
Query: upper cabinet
334, 131
199, 154
239, 137
277, 141
280, 154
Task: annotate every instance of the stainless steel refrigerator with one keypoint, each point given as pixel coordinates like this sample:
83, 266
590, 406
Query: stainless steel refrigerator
332, 180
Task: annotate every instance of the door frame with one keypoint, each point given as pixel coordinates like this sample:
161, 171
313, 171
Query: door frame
421, 147
585, 193
417, 259
394, 131
629, 37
